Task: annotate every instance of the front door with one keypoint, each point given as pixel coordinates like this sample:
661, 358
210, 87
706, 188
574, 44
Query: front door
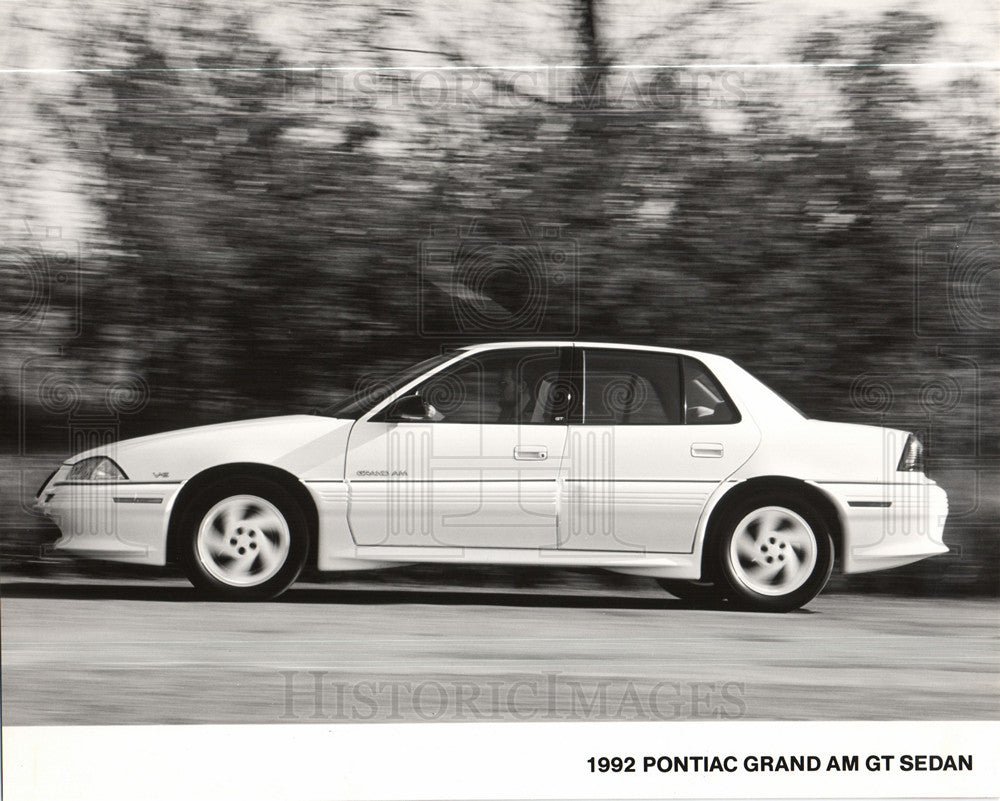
480, 470
652, 439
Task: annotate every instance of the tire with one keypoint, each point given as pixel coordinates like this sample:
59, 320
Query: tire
694, 591
774, 553
244, 538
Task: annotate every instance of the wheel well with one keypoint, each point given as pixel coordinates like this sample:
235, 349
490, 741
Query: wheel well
208, 477
756, 486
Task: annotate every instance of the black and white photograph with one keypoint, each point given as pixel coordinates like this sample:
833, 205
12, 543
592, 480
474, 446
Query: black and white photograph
499, 400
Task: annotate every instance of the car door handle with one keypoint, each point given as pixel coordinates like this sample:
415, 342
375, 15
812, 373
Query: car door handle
531, 453
707, 450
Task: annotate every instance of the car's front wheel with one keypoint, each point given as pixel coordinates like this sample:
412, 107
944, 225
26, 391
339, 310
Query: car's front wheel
775, 553
245, 538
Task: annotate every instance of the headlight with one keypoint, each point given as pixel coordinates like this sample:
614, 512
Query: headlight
912, 460
96, 468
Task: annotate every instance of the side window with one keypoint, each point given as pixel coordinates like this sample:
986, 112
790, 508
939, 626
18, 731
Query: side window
631, 387
705, 402
505, 386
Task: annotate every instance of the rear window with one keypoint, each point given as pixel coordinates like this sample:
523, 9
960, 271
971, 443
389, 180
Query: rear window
705, 401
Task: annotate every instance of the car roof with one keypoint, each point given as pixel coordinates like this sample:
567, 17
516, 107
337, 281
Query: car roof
573, 343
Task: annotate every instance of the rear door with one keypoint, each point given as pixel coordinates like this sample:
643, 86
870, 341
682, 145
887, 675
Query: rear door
654, 436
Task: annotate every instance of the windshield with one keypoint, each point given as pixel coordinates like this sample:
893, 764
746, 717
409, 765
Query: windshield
373, 391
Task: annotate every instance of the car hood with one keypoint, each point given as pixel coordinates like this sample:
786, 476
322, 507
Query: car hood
297, 443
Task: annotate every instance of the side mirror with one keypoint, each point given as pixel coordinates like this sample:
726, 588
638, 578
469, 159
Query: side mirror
408, 409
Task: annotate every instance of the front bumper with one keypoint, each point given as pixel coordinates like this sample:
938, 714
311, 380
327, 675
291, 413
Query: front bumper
889, 525
121, 521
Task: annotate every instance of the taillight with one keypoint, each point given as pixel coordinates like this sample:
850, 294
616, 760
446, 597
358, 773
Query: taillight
912, 460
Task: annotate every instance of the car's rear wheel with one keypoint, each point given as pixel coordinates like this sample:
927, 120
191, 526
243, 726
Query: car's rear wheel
245, 538
774, 552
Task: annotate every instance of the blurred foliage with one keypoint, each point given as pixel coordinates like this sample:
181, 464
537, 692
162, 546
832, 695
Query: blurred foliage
259, 231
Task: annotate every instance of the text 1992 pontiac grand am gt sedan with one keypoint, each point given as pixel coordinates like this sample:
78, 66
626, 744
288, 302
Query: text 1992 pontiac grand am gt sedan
665, 463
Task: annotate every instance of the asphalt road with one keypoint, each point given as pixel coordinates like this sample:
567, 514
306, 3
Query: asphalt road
88, 651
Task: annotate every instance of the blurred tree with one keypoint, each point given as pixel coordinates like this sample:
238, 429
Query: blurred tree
264, 246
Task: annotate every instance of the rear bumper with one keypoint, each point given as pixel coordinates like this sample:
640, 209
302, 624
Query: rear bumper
889, 525
118, 521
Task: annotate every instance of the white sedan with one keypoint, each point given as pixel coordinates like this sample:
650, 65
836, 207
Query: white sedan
656, 462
